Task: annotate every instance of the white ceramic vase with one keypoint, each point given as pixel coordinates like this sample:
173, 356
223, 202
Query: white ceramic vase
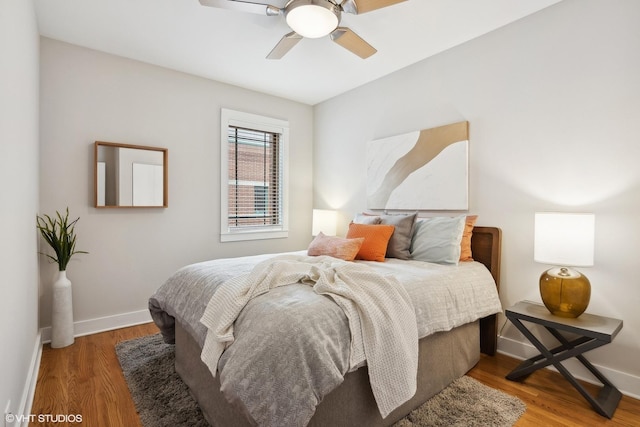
62, 312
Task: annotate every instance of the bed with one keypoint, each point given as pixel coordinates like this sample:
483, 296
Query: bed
443, 356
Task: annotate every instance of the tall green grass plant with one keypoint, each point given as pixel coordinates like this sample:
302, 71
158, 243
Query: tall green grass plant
59, 233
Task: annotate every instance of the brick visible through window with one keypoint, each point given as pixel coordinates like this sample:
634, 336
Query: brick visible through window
254, 178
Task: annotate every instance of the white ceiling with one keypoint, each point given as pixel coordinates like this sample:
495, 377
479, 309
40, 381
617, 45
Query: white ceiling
230, 46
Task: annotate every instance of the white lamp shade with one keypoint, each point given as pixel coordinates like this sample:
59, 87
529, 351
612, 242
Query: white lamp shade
565, 239
325, 221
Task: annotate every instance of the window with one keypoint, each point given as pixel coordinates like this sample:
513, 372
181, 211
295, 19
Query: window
254, 177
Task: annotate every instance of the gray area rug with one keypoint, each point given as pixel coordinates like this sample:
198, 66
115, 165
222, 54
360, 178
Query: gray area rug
162, 399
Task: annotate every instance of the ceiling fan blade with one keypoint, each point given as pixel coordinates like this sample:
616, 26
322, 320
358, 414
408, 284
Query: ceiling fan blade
284, 45
243, 6
352, 42
364, 6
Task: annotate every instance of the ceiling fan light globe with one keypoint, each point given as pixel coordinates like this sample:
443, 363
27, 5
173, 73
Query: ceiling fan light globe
312, 18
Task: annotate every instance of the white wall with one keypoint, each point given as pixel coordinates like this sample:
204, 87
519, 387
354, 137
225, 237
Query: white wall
553, 102
18, 199
87, 96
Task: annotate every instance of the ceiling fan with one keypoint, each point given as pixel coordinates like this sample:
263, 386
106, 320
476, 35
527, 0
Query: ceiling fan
311, 19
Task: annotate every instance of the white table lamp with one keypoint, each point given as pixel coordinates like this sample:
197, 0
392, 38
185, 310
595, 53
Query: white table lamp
324, 221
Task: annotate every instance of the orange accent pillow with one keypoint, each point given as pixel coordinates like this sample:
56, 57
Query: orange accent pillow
376, 239
337, 247
465, 243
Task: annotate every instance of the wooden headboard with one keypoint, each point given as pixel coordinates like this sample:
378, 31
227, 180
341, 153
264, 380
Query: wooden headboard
486, 248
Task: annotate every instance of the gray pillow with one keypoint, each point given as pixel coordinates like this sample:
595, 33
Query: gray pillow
400, 242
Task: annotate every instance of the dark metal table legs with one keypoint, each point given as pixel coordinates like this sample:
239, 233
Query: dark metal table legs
605, 403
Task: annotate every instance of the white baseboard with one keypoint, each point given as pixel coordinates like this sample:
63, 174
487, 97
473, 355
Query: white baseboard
628, 384
102, 324
29, 390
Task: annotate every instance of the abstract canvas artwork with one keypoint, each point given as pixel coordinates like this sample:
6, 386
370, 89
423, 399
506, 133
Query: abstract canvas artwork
422, 170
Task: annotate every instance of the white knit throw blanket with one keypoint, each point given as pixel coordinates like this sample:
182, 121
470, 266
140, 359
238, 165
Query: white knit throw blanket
381, 317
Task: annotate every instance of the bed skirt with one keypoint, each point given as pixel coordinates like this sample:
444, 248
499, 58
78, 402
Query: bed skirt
443, 357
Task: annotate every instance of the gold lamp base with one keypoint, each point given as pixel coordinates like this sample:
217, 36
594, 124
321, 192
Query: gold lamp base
565, 292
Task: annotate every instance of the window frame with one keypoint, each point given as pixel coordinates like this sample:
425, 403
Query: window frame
260, 123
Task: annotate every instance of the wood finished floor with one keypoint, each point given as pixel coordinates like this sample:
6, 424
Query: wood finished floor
86, 379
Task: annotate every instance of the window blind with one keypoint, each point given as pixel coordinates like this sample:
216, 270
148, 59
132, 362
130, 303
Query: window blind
255, 181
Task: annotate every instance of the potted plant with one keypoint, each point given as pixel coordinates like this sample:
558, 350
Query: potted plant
59, 233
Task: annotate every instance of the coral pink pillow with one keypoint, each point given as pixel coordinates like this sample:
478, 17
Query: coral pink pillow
336, 247
376, 239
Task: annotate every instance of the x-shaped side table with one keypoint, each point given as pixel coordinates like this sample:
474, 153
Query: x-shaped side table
594, 331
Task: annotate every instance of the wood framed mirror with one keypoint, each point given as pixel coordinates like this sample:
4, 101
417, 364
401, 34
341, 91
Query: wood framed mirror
130, 176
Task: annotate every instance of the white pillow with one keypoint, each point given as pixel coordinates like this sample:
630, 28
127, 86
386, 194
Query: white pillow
437, 239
